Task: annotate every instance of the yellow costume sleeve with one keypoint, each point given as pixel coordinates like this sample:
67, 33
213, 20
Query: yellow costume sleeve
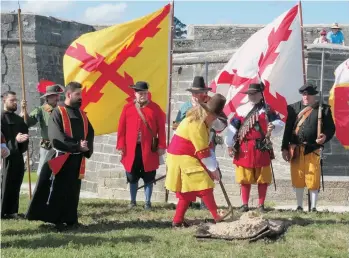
199, 136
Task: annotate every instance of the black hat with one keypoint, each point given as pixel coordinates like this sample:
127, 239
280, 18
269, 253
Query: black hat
215, 105
309, 88
198, 85
140, 86
254, 88
53, 90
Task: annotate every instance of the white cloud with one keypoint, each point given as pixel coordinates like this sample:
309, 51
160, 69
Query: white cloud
47, 7
104, 14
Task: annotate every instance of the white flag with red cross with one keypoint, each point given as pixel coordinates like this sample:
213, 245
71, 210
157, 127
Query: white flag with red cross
272, 55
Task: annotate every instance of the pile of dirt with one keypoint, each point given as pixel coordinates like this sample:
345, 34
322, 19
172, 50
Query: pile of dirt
250, 226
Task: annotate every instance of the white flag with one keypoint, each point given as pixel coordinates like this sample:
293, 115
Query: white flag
274, 55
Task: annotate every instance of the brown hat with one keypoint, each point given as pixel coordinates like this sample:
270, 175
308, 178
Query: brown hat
215, 105
53, 90
198, 85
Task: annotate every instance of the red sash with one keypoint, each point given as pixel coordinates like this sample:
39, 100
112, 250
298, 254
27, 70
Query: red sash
57, 163
181, 146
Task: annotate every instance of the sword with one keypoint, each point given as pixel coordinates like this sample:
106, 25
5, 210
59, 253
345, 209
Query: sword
272, 172
321, 170
152, 182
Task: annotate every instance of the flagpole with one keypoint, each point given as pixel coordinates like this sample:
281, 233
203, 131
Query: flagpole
23, 93
302, 36
304, 75
172, 29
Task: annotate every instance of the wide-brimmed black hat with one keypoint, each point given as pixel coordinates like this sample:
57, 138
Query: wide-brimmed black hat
53, 90
140, 86
309, 88
254, 88
198, 85
215, 105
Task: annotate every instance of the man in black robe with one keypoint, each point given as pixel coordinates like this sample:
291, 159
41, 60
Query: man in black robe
15, 131
56, 197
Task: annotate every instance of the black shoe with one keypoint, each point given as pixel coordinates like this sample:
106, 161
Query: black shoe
203, 206
74, 225
244, 208
261, 208
299, 208
180, 225
132, 205
14, 216
60, 227
147, 206
313, 210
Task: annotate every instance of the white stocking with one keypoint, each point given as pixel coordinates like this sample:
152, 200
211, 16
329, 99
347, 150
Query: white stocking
313, 197
299, 195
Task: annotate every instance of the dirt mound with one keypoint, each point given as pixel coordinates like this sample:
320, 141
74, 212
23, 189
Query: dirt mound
249, 226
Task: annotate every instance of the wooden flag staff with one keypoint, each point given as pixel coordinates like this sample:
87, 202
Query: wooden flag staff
24, 93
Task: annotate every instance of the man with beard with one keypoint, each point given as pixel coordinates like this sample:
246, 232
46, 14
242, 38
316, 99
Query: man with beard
15, 132
247, 140
56, 196
41, 114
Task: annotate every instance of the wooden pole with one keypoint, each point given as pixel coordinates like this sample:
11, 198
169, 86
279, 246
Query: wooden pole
24, 94
172, 30
302, 36
304, 74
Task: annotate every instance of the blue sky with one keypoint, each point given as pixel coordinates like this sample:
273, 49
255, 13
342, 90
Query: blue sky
189, 12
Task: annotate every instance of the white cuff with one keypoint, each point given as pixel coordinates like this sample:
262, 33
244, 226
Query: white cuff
3, 146
229, 139
210, 162
279, 125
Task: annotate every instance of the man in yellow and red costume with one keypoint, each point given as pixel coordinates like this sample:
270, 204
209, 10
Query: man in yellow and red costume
191, 163
246, 140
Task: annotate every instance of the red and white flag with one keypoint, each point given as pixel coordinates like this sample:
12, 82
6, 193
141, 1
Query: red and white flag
273, 55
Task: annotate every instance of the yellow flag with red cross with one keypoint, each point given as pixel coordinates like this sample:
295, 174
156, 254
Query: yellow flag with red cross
107, 62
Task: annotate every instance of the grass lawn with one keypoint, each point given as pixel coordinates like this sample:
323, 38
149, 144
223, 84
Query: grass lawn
33, 177
114, 231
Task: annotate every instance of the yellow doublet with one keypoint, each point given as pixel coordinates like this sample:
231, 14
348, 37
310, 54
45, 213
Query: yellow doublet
305, 170
185, 173
253, 175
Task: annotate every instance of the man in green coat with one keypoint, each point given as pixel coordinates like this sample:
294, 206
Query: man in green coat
41, 115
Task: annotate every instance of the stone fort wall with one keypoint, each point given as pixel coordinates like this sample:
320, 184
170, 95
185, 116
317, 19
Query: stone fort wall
46, 39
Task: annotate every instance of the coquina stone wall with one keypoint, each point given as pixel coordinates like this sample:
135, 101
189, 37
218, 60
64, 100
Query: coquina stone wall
45, 40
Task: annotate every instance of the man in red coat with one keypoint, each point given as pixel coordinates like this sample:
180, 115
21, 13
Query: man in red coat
140, 122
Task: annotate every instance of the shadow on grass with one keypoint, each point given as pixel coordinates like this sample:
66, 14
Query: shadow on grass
100, 210
55, 241
99, 227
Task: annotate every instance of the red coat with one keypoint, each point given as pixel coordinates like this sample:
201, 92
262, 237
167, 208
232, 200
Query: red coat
249, 156
130, 123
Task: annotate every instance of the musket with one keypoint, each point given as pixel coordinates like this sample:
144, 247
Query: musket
268, 141
152, 182
319, 123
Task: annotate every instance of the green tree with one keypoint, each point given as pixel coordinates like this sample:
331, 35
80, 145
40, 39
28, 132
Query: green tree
180, 31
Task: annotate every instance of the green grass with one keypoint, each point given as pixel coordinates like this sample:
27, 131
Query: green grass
33, 177
114, 231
